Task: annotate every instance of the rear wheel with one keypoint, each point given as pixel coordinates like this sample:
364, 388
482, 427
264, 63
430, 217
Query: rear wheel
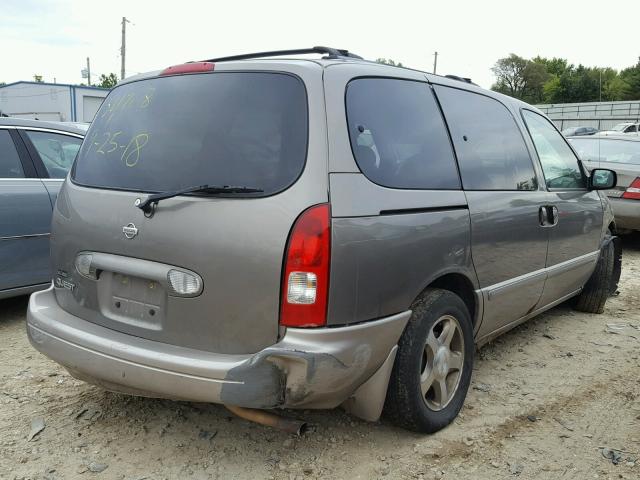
433, 365
598, 288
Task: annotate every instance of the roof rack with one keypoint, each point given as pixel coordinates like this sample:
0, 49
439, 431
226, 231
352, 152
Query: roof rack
330, 52
461, 79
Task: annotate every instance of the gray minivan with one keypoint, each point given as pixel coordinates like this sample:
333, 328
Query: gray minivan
309, 233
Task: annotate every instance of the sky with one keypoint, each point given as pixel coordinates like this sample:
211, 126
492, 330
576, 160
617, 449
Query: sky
53, 38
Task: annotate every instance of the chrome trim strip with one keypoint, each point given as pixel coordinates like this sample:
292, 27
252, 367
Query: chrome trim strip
18, 179
17, 237
573, 263
507, 285
39, 129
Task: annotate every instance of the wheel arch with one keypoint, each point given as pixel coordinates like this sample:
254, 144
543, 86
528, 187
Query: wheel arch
461, 285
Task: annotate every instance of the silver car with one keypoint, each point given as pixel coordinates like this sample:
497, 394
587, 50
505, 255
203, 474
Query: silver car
622, 155
35, 157
309, 233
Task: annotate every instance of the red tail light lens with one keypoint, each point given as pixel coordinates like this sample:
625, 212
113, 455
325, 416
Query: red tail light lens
633, 191
192, 67
305, 281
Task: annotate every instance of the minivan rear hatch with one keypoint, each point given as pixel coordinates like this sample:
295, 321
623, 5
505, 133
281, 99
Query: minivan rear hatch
248, 128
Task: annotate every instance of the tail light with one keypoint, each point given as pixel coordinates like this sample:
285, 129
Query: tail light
633, 192
305, 281
191, 67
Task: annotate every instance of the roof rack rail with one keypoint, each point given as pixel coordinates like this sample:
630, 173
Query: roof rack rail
461, 79
330, 52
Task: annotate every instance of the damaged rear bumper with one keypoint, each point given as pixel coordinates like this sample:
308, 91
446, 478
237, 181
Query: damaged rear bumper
310, 368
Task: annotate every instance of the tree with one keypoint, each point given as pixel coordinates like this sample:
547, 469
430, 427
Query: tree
616, 89
520, 78
388, 61
554, 66
108, 81
509, 73
555, 80
631, 76
38, 78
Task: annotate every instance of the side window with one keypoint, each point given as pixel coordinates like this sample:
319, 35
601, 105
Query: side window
559, 164
10, 165
630, 129
56, 151
491, 151
398, 136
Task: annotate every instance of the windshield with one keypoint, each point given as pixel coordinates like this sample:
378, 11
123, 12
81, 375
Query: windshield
607, 150
227, 128
619, 127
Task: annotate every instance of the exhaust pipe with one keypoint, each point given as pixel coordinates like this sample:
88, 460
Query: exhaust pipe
268, 419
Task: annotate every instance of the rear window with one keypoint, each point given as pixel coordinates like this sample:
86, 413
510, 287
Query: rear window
222, 129
398, 136
607, 150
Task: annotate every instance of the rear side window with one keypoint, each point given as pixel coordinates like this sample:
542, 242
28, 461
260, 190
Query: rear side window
10, 165
607, 150
398, 136
56, 151
225, 129
491, 151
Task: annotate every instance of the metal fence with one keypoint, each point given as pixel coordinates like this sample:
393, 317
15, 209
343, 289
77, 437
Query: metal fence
602, 115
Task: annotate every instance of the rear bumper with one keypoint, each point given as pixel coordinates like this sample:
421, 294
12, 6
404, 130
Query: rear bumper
626, 213
310, 368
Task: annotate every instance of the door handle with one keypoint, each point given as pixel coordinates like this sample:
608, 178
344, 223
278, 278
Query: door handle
554, 215
548, 215
543, 216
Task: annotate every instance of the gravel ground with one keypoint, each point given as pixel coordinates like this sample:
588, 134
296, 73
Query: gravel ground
545, 400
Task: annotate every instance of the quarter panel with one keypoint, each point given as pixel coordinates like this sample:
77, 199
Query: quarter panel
380, 264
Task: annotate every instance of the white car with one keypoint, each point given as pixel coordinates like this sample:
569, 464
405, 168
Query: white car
627, 128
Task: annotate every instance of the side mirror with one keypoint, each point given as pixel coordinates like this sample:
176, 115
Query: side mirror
602, 179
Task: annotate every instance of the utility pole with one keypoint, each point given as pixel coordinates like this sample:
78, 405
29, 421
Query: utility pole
435, 62
123, 47
600, 84
88, 72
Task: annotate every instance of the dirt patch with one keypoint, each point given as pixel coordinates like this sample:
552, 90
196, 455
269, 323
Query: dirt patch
545, 399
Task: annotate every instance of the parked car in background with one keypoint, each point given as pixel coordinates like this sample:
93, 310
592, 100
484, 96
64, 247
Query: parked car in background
622, 155
626, 128
576, 131
35, 157
308, 233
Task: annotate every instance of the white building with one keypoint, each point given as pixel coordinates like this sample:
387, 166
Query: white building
51, 101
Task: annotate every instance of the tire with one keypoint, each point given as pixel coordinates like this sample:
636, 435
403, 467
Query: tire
598, 288
435, 313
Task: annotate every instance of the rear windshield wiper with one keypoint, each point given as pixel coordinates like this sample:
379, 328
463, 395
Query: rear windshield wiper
152, 200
